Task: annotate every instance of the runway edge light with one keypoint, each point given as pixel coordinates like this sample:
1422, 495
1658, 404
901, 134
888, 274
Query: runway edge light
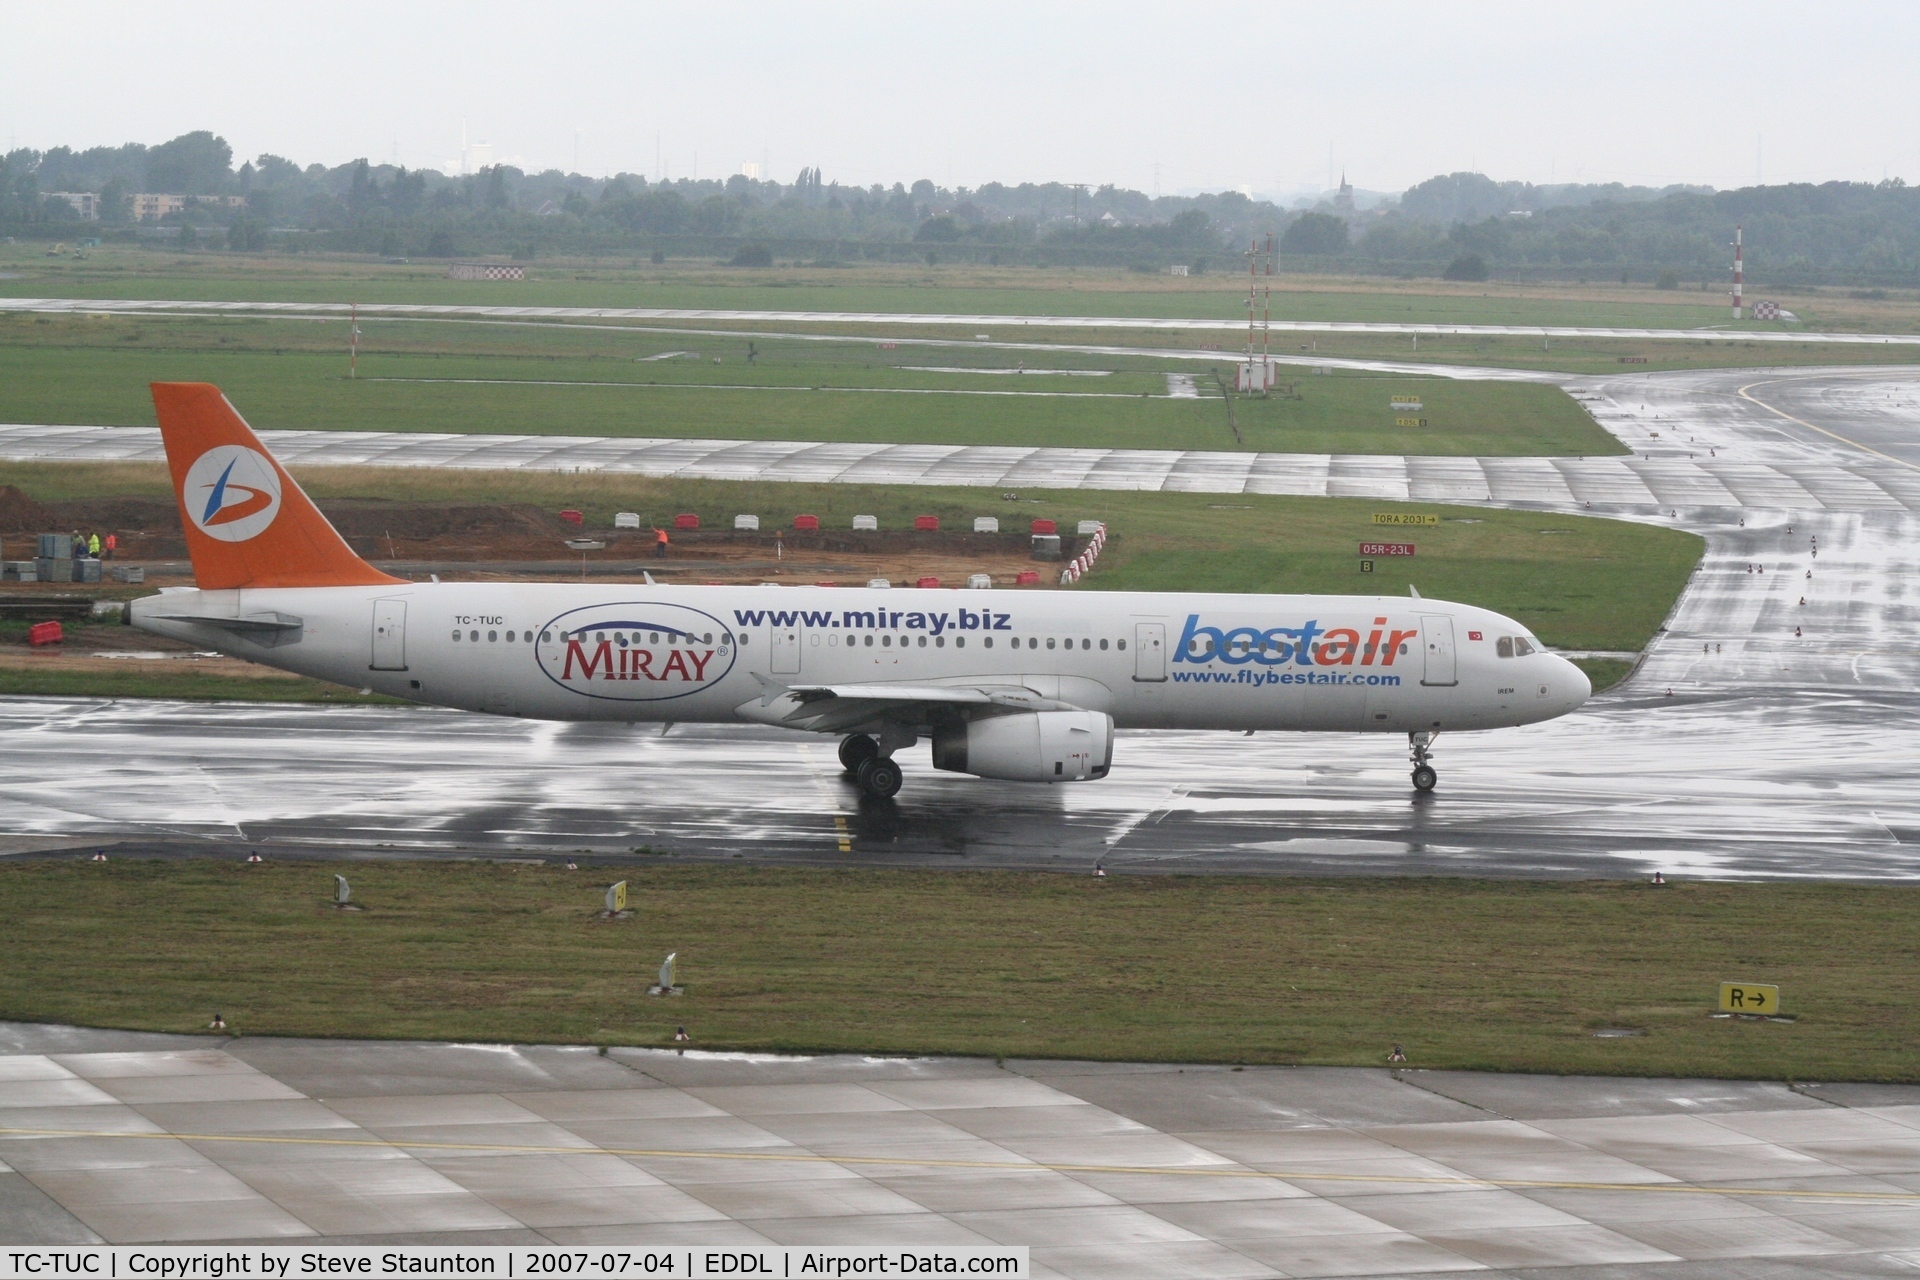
1750, 997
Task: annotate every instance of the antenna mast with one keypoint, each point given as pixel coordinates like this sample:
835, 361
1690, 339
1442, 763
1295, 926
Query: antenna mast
1739, 274
1256, 373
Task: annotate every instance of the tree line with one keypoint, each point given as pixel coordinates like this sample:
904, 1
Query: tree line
1462, 224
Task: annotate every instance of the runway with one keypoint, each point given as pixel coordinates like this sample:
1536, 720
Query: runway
1740, 749
137, 306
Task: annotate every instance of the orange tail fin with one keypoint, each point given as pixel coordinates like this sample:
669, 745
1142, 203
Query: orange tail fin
247, 523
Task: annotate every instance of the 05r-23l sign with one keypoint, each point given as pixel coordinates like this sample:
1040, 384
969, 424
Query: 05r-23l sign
1386, 548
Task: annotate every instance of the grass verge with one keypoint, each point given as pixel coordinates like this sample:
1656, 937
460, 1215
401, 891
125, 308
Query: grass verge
1604, 672
117, 271
175, 680
1510, 975
564, 380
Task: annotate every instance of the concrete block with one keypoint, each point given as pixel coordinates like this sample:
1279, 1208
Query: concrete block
626, 519
133, 573
986, 524
750, 523
868, 523
1046, 546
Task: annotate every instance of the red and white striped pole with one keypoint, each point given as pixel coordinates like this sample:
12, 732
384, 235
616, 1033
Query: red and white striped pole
1739, 274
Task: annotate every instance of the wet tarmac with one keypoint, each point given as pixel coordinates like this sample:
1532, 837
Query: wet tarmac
1101, 1169
1810, 782
1770, 730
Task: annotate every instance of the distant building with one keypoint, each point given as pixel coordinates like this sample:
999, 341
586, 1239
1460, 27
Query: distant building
152, 206
1343, 199
85, 203
1177, 269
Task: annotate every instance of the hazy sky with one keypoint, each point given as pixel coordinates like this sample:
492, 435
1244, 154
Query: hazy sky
1265, 96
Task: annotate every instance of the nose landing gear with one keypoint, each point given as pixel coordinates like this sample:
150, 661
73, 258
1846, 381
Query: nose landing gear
1418, 745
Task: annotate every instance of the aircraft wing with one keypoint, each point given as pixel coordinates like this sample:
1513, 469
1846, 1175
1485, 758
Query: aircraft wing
833, 708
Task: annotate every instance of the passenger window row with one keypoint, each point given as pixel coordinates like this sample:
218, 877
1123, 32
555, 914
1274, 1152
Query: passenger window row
493, 637
887, 641
960, 642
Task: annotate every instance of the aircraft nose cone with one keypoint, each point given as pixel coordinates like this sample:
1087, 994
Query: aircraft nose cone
1579, 688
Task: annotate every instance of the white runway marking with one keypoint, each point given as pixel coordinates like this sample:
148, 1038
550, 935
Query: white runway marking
1145, 323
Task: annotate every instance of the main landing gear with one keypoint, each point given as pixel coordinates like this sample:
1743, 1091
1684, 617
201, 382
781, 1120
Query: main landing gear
856, 748
1418, 745
876, 775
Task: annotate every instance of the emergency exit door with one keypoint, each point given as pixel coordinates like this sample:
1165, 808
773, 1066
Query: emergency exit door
389, 635
1150, 652
784, 647
1437, 635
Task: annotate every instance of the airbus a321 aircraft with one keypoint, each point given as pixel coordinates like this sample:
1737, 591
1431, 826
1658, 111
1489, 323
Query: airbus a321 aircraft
1027, 687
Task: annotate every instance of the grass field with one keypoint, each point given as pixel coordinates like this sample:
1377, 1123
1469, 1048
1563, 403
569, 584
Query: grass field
126, 272
558, 380
174, 680
1577, 582
1514, 976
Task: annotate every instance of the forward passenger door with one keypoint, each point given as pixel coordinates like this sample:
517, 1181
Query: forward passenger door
1437, 635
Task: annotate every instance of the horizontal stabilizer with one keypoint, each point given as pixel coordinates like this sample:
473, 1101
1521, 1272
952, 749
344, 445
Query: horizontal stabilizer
248, 622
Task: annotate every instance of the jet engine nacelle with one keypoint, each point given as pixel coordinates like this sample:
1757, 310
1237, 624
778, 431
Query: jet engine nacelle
1032, 746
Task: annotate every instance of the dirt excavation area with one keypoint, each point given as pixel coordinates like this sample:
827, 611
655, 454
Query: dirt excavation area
453, 542
519, 541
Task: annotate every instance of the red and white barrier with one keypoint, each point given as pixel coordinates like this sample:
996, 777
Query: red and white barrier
1083, 563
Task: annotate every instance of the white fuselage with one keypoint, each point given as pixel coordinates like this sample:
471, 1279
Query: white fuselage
634, 652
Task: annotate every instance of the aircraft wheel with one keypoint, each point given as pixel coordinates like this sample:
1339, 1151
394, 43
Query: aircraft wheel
1424, 777
854, 748
879, 777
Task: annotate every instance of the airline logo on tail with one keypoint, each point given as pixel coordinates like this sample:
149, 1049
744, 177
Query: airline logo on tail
231, 492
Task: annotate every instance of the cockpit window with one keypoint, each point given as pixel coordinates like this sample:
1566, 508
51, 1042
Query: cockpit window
1521, 647
1503, 647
